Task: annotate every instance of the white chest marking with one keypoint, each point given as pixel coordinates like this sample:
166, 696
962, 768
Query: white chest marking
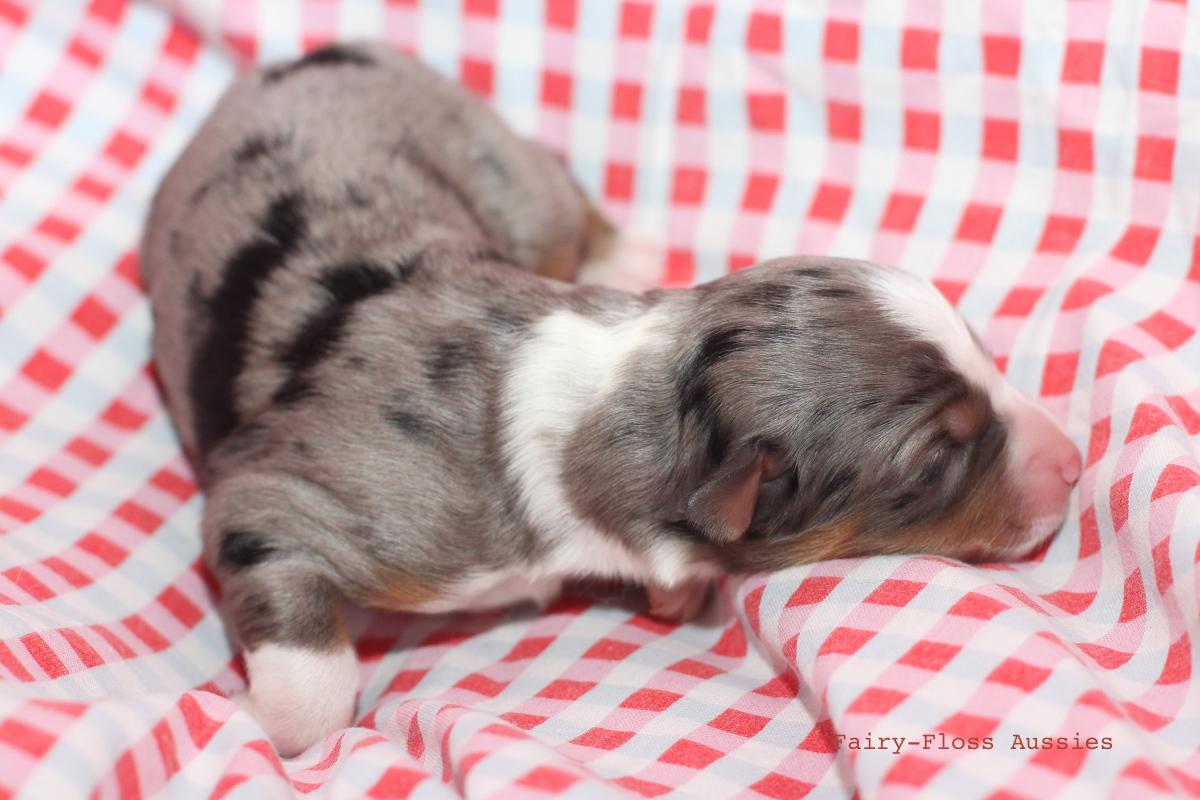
570, 363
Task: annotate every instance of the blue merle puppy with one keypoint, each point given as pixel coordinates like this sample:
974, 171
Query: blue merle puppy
390, 403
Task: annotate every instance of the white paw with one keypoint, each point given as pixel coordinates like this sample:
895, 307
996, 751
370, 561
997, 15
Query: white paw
679, 603
299, 696
634, 264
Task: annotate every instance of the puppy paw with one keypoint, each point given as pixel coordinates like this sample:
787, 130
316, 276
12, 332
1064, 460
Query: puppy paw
679, 603
299, 696
633, 264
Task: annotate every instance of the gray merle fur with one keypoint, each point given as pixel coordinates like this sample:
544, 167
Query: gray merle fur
278, 285
342, 270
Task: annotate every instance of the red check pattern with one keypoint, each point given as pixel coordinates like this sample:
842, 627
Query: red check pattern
1035, 160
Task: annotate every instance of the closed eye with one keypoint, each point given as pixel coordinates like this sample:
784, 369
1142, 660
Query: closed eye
935, 470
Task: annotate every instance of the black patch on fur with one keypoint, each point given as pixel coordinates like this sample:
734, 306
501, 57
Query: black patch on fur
693, 383
934, 470
346, 286
357, 280
331, 56
407, 423
773, 297
505, 317
824, 283
258, 146
839, 487
252, 149
316, 339
241, 550
718, 345
459, 354
299, 608
295, 388
255, 619
837, 292
203, 189
823, 274
357, 197
221, 356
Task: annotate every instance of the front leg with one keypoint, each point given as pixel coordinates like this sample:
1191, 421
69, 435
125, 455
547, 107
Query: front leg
681, 602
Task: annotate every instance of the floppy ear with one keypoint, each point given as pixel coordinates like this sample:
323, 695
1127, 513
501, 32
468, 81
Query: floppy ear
724, 504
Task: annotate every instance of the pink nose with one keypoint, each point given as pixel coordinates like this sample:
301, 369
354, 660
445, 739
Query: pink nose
1047, 463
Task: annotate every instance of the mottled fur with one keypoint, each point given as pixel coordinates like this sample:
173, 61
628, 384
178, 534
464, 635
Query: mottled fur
388, 405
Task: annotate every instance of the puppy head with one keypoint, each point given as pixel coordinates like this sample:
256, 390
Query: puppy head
834, 408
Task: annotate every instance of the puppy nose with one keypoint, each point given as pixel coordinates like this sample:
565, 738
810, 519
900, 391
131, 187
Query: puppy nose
1046, 461
1053, 454
1063, 457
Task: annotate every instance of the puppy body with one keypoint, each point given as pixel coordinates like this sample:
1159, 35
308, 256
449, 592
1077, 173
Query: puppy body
387, 405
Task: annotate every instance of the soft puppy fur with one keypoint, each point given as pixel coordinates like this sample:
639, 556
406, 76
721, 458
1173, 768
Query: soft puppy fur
388, 404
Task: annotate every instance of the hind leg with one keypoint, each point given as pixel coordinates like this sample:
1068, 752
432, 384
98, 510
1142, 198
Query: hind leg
301, 667
281, 597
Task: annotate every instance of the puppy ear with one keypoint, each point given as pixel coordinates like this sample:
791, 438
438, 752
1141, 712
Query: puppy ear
962, 420
723, 506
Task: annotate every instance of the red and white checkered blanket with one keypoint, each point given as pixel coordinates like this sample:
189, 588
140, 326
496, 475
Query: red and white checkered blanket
1039, 160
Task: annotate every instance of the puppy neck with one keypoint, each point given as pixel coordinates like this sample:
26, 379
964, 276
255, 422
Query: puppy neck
563, 371
561, 379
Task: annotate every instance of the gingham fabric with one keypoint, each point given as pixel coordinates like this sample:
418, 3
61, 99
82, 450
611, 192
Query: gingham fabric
1039, 160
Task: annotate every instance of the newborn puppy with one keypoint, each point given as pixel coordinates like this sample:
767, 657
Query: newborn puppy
388, 405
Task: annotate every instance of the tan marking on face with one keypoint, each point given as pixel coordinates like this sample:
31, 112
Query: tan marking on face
820, 544
986, 526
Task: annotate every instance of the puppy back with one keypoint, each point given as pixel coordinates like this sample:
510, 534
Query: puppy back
354, 155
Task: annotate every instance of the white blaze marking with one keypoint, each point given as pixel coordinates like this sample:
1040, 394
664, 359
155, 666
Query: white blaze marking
919, 306
1039, 451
